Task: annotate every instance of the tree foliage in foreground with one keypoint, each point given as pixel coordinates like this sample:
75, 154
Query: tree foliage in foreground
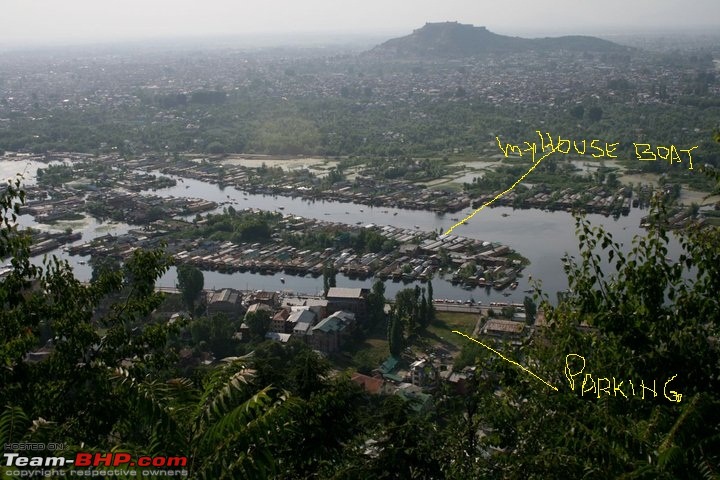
190, 282
107, 382
650, 319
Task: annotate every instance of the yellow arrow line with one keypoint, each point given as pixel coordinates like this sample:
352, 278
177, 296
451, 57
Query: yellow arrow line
506, 359
501, 194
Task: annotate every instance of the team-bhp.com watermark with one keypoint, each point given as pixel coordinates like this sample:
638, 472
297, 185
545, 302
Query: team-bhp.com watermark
85, 464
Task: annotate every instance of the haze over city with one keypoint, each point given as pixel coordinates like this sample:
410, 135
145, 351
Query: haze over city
42, 22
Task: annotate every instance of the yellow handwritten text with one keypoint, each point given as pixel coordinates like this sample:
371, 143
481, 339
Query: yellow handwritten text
517, 182
644, 151
600, 386
546, 143
513, 362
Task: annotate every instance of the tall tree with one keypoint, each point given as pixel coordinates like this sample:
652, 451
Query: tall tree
530, 309
431, 301
406, 308
190, 282
258, 322
395, 333
423, 312
376, 303
329, 277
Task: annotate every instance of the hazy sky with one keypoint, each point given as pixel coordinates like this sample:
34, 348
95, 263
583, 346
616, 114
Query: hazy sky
73, 21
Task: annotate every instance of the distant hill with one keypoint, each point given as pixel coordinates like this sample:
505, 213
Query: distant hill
453, 39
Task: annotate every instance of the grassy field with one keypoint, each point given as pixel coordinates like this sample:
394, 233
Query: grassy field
447, 185
369, 353
441, 329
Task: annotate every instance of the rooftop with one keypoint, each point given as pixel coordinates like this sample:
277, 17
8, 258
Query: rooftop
257, 307
335, 322
418, 363
301, 316
370, 384
340, 292
388, 365
503, 326
229, 295
278, 337
265, 296
304, 328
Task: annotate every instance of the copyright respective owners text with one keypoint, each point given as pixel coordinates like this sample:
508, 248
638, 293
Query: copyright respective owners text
48, 460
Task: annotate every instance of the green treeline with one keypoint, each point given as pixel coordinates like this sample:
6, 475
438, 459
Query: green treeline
362, 241
250, 122
260, 226
235, 226
411, 313
340, 127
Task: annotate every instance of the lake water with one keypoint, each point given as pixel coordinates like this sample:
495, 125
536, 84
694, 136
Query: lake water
541, 236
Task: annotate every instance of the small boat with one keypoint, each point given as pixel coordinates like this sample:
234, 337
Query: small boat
362, 210
282, 279
505, 215
513, 285
395, 213
281, 207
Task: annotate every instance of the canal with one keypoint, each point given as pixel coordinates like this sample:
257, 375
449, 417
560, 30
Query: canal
542, 236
